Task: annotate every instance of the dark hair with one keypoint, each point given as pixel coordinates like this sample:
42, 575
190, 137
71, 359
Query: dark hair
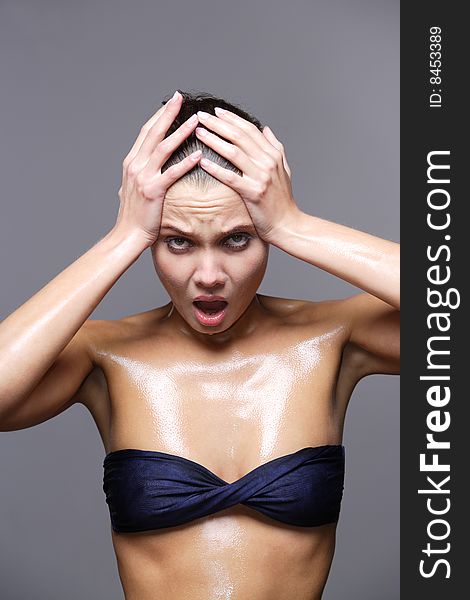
192, 102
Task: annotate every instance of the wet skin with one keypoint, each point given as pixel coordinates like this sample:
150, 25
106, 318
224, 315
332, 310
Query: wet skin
274, 377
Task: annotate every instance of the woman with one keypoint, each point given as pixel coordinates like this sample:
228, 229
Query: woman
221, 413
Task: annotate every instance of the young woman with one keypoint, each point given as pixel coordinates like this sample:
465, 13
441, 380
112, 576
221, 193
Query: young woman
221, 413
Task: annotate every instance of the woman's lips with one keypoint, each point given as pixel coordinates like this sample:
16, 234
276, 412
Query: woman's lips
210, 313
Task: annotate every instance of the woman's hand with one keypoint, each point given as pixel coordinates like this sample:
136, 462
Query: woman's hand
265, 185
143, 186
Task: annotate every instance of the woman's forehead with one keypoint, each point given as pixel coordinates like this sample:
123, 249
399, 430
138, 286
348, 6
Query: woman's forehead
181, 193
215, 206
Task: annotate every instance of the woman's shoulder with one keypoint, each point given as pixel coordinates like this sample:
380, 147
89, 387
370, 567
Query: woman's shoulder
305, 311
102, 333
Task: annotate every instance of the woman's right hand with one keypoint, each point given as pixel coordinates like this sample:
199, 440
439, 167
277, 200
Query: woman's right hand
143, 186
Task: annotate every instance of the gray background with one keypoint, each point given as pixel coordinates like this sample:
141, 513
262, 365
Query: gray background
79, 79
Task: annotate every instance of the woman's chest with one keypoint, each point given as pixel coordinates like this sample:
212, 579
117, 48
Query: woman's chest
277, 398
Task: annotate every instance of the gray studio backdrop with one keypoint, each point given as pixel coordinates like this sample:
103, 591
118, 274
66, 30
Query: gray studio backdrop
79, 79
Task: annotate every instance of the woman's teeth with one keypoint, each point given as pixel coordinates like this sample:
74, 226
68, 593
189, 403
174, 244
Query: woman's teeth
210, 314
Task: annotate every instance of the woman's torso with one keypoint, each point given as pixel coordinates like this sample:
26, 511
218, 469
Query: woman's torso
230, 409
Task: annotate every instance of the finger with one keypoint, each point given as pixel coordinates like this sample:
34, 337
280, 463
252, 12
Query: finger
240, 137
153, 118
246, 126
226, 176
158, 130
267, 131
168, 178
143, 132
229, 151
168, 145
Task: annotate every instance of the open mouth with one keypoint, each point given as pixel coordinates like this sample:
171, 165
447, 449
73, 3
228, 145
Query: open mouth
210, 308
210, 313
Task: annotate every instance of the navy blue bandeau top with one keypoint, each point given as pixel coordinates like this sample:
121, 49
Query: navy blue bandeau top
147, 489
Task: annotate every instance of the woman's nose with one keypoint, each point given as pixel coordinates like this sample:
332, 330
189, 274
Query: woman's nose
209, 272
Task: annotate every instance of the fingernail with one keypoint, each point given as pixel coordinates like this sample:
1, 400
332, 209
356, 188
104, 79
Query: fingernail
219, 111
175, 95
203, 115
192, 120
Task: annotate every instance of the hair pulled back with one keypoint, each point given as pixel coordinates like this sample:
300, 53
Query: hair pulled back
192, 102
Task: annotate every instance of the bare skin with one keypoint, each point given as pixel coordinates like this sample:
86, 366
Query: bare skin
174, 390
275, 376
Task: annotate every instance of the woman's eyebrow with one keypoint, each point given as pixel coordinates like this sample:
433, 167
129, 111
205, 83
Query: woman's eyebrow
246, 226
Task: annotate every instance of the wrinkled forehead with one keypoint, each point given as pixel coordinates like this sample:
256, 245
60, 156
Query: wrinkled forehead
218, 207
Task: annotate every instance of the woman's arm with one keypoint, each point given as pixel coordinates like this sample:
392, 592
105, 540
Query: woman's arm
364, 260
39, 345
34, 335
368, 262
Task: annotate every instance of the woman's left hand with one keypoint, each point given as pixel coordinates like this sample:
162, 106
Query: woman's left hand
265, 186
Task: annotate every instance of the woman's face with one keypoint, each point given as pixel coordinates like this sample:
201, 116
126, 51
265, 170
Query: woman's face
208, 246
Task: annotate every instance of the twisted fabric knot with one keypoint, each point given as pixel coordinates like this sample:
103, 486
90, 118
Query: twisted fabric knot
147, 489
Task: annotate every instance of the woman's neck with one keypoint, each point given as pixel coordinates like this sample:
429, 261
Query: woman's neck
243, 327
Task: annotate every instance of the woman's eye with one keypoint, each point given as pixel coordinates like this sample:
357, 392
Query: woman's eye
174, 244
239, 242
244, 238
